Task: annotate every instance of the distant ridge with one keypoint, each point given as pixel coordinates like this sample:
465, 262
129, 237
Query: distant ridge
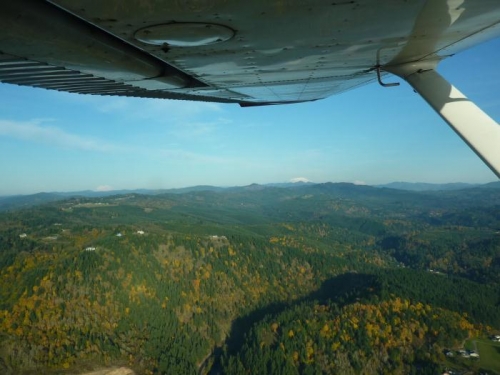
190, 189
342, 188
423, 186
291, 184
491, 185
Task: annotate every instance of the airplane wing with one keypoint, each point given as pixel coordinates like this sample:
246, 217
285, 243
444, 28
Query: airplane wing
249, 52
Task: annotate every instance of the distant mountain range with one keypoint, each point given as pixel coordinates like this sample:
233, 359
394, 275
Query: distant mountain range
23, 201
422, 186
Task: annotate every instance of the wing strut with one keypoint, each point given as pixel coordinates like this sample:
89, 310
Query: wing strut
475, 127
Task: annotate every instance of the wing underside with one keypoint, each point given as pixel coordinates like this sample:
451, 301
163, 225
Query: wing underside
252, 52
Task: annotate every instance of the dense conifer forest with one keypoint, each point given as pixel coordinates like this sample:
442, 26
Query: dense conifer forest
312, 279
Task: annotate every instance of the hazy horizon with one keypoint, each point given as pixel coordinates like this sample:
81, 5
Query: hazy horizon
104, 189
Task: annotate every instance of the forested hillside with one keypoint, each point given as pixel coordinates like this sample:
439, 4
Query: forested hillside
328, 278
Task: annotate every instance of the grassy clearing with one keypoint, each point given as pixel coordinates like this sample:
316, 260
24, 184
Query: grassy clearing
489, 353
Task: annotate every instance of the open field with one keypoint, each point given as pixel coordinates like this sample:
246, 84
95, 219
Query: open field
489, 353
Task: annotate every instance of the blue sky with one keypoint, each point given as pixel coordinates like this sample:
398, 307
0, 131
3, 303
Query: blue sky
51, 141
